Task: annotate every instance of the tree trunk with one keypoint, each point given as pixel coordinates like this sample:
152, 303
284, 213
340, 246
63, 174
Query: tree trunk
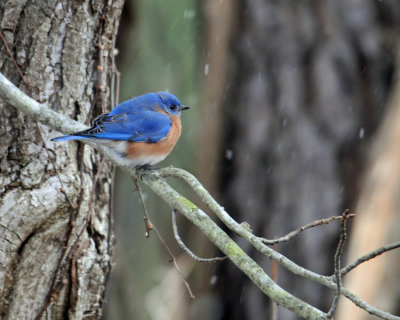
304, 97
55, 236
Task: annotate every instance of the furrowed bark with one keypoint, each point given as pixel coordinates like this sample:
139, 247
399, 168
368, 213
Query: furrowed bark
58, 47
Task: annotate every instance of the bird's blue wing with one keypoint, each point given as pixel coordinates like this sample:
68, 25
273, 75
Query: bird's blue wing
148, 101
141, 126
144, 126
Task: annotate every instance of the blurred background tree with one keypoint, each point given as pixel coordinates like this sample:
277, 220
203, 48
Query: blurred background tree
286, 99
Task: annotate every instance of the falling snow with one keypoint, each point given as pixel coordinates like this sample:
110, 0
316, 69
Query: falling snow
361, 133
189, 14
213, 280
229, 154
206, 68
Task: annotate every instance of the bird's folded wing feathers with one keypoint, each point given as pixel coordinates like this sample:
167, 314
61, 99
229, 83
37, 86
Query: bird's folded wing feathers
143, 126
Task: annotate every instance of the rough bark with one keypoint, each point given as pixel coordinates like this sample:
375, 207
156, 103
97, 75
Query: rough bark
305, 94
58, 46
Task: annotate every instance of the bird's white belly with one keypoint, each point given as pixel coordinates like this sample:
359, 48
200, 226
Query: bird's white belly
118, 152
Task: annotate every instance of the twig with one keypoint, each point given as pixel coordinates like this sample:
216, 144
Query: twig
273, 312
117, 85
185, 248
147, 222
173, 260
204, 195
149, 227
92, 104
367, 307
338, 255
101, 67
370, 256
15, 63
294, 233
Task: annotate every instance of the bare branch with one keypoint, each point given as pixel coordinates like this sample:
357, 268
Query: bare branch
12, 95
370, 256
338, 256
173, 260
147, 222
261, 247
186, 249
149, 227
230, 248
294, 233
204, 195
273, 308
367, 307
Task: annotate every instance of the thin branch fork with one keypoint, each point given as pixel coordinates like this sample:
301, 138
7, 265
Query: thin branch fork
149, 227
338, 256
155, 180
313, 224
186, 249
146, 218
370, 256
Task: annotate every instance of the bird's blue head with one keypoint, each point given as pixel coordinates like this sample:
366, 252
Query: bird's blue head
170, 104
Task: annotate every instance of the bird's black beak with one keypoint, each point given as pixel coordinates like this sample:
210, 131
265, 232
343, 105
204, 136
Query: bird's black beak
184, 107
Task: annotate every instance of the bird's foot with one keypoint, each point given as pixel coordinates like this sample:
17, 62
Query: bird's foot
143, 169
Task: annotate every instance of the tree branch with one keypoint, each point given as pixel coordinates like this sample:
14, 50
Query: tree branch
337, 261
155, 180
186, 249
12, 95
294, 233
370, 256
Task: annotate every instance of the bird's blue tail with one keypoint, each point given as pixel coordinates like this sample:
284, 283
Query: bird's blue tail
69, 137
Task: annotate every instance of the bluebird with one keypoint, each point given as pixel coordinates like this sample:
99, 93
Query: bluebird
139, 132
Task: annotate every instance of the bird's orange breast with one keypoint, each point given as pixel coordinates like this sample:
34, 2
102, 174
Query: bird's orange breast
161, 148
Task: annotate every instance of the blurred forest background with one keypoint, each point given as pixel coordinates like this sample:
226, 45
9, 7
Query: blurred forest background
294, 117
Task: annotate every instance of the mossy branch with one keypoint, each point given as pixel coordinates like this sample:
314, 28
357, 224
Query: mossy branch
156, 181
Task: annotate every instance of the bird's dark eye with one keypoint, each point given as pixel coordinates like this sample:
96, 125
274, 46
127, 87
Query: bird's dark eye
173, 107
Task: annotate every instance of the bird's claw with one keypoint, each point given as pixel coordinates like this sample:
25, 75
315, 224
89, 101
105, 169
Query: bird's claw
144, 169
